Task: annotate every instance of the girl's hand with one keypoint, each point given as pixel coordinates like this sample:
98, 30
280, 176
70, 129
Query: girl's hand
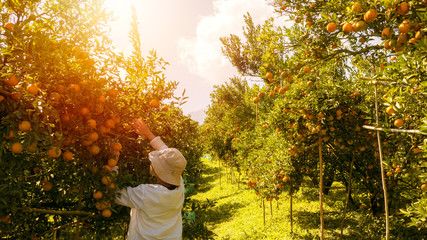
142, 129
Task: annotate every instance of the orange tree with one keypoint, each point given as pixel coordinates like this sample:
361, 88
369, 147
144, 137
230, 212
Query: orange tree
229, 114
65, 113
323, 65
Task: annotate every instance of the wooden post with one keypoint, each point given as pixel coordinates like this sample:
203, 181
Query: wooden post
271, 209
256, 114
263, 211
348, 195
219, 172
387, 230
322, 224
290, 209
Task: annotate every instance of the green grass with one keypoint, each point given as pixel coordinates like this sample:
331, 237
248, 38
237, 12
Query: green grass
238, 213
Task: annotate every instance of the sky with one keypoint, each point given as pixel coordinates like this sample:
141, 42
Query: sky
186, 34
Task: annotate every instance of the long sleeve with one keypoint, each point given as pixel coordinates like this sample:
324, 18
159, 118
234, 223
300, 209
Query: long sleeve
130, 197
158, 144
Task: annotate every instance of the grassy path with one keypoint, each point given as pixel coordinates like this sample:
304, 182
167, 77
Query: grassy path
238, 212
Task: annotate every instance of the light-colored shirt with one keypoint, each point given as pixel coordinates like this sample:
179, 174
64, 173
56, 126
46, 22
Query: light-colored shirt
155, 210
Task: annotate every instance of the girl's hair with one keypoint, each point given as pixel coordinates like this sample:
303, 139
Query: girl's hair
172, 187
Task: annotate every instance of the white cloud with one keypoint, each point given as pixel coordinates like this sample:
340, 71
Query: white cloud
202, 54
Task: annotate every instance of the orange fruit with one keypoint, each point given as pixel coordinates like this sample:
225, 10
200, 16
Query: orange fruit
12, 81
111, 186
164, 108
94, 149
116, 119
1, 98
16, 147
127, 127
16, 95
347, 28
112, 92
387, 45
9, 26
102, 205
117, 147
103, 129
109, 123
403, 8
360, 26
398, 122
60, 89
106, 213
112, 162
97, 195
255, 100
424, 186
386, 33
282, 90
6, 219
56, 97
269, 76
284, 6
102, 99
10, 135
404, 27
47, 186
24, 126
398, 169
310, 83
331, 27
154, 103
106, 169
91, 123
416, 150
92, 136
306, 69
272, 94
32, 89
86, 142
370, 15
106, 180
261, 94
68, 156
75, 87
84, 111
65, 118
76, 49
54, 152
390, 110
357, 7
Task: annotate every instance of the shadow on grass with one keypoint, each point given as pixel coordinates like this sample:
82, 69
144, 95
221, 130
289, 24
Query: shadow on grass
332, 220
221, 213
210, 174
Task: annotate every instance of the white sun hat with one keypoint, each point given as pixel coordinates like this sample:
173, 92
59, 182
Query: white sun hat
168, 164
